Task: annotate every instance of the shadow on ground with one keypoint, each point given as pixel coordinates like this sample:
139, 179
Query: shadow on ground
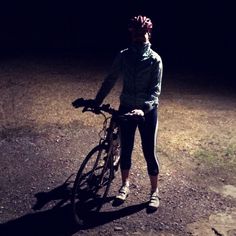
59, 220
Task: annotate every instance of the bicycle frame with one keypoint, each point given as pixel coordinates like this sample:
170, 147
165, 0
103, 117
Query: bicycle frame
110, 135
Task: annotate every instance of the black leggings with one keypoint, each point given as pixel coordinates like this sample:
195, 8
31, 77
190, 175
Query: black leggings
148, 133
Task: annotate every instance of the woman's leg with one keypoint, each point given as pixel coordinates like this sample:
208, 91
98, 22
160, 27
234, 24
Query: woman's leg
127, 135
148, 132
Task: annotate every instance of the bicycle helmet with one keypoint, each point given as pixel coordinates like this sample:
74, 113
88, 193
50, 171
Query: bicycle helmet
140, 24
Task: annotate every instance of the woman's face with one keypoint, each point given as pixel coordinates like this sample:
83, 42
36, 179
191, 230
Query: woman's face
140, 36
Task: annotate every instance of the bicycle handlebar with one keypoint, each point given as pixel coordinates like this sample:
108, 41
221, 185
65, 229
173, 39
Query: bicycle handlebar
89, 105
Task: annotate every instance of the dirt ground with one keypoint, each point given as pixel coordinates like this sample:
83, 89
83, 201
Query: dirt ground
43, 141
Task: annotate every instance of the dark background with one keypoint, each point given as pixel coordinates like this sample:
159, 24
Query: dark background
197, 35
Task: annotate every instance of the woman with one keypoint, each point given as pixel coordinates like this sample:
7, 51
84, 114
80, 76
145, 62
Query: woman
141, 70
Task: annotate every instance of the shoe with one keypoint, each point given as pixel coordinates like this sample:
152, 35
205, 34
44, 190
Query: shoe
154, 201
123, 193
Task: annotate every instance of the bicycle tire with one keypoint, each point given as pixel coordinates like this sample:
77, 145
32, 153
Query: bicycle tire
92, 182
116, 153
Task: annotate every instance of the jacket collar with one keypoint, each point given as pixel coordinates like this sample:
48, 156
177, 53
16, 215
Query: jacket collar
141, 49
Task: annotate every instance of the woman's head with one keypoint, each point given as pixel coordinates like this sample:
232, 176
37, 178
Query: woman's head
140, 28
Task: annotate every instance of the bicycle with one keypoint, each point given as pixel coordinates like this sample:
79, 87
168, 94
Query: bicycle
99, 167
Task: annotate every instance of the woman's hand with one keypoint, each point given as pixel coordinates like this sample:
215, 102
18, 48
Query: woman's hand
137, 112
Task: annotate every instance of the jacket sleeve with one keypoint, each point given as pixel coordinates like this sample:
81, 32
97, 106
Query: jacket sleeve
110, 80
155, 87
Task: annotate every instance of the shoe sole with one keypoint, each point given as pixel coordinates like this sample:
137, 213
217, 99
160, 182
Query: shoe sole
122, 198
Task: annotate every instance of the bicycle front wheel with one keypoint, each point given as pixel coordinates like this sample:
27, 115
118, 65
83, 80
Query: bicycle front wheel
92, 182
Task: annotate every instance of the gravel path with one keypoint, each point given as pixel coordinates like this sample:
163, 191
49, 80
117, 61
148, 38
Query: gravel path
43, 141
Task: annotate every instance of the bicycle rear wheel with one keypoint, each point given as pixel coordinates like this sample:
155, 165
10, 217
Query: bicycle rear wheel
92, 182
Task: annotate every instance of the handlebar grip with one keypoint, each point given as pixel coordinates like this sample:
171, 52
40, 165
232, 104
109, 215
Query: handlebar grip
80, 102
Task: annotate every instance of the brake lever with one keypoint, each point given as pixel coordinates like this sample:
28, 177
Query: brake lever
91, 109
85, 109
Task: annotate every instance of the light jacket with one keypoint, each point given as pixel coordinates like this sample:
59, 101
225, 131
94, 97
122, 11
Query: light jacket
141, 69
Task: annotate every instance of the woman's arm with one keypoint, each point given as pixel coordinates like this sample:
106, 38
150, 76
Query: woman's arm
155, 87
109, 81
